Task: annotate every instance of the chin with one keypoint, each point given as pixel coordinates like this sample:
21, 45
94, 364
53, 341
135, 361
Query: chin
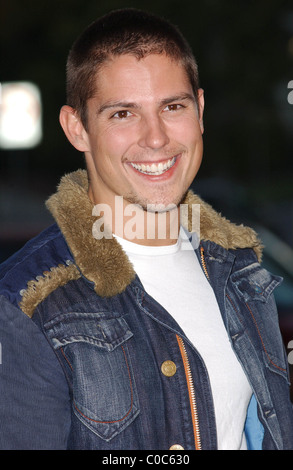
163, 204
160, 202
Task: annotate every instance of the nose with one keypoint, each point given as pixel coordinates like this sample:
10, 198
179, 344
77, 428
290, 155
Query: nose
153, 134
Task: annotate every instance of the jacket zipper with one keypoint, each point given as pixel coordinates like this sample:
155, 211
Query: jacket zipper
190, 384
191, 393
203, 263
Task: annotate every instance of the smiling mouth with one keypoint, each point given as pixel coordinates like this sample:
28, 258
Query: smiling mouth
154, 168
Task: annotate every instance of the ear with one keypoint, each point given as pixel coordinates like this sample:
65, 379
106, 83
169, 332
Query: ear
201, 108
73, 128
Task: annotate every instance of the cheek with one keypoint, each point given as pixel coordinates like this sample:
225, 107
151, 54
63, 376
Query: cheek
116, 140
187, 132
108, 151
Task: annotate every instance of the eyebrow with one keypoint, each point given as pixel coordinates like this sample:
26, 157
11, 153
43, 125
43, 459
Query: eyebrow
133, 105
179, 97
116, 104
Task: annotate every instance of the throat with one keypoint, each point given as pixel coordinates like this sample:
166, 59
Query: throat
150, 228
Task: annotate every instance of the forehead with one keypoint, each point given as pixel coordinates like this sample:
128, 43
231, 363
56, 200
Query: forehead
151, 75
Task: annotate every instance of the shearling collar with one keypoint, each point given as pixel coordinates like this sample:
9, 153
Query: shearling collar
103, 261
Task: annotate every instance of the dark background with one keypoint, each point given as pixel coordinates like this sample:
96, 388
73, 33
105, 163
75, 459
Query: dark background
245, 53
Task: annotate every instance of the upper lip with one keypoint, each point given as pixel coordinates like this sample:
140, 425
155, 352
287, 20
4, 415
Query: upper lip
149, 162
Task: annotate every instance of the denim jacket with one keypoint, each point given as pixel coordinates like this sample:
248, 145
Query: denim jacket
91, 361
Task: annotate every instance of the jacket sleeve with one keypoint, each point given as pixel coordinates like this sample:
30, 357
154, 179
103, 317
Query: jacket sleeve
34, 398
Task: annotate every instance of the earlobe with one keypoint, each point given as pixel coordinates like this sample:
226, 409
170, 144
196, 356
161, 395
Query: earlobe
73, 128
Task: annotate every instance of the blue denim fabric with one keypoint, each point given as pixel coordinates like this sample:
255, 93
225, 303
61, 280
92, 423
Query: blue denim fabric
34, 398
86, 371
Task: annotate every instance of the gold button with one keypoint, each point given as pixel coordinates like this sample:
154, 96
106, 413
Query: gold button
168, 368
176, 447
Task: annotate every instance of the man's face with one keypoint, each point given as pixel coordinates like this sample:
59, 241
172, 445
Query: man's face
144, 137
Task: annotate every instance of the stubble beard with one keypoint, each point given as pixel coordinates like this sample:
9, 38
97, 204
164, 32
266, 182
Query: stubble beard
158, 204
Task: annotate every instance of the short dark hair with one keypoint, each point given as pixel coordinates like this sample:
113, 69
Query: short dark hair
120, 32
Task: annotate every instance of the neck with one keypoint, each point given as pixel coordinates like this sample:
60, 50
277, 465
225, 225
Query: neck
133, 223
150, 228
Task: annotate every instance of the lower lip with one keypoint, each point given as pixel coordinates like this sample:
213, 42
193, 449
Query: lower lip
166, 175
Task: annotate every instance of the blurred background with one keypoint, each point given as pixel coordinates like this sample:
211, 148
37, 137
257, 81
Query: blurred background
245, 55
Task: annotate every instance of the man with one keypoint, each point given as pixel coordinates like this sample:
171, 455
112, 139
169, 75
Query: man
121, 327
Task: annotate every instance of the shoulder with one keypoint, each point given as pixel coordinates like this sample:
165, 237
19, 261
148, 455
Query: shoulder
38, 258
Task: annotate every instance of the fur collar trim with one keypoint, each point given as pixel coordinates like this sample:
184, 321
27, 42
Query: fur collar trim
103, 261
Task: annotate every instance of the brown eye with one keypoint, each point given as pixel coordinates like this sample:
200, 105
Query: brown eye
173, 107
121, 114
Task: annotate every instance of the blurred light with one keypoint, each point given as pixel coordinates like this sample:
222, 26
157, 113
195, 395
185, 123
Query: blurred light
20, 115
290, 95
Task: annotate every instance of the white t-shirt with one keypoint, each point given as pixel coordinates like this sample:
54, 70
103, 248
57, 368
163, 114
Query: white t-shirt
173, 276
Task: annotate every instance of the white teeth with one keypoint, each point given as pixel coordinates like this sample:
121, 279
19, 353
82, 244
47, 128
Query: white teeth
154, 169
